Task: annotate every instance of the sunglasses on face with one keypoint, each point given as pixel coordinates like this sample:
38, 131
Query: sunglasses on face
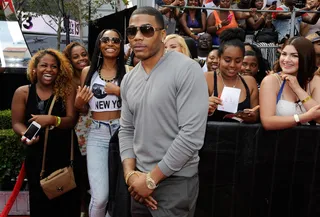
146, 30
107, 39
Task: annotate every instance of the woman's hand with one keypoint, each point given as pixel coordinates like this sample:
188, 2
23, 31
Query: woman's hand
248, 115
43, 120
213, 104
83, 96
253, 12
30, 142
291, 81
311, 114
175, 3
194, 37
225, 22
271, 8
112, 89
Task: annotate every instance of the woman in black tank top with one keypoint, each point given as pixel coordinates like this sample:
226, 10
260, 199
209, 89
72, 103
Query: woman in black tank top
231, 53
50, 74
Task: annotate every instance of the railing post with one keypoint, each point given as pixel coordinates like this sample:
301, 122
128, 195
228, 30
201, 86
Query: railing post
292, 26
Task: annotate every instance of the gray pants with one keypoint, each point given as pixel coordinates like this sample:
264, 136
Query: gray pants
176, 197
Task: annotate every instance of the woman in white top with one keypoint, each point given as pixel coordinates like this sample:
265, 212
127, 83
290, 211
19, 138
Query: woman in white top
292, 93
100, 92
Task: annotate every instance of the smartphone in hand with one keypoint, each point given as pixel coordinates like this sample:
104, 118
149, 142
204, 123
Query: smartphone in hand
229, 17
32, 131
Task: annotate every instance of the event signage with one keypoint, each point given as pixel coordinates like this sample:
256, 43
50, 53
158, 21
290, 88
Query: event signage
45, 24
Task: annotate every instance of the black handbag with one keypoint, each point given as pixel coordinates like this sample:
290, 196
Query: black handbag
266, 35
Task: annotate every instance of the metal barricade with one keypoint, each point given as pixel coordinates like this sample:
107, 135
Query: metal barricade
268, 50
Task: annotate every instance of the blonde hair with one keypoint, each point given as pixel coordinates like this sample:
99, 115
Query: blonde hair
63, 84
181, 42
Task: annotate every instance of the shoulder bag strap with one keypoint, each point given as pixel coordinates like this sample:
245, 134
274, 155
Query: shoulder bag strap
46, 139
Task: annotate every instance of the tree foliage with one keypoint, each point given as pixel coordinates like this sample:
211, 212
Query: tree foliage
60, 11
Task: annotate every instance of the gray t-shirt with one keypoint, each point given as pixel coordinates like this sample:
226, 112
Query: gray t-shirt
164, 114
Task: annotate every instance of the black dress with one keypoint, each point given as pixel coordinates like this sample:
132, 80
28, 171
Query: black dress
57, 156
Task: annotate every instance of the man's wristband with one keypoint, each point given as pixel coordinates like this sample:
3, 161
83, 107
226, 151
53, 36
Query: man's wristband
129, 174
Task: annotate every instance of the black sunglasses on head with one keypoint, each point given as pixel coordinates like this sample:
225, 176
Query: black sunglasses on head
146, 30
107, 39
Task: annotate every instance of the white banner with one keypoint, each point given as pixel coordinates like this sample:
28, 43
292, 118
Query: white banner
46, 24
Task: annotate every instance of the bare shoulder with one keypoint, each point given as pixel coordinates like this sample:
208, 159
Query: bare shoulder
314, 83
270, 83
84, 74
21, 94
23, 90
208, 74
315, 79
250, 81
271, 78
249, 78
85, 71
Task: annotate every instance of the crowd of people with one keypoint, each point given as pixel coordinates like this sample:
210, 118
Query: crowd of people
193, 22
159, 90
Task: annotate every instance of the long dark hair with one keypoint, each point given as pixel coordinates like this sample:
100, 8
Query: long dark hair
97, 59
307, 60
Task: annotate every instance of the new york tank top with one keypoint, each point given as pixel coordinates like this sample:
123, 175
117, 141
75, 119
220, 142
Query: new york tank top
101, 100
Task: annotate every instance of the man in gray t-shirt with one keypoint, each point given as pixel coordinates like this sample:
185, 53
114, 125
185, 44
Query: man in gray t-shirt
163, 121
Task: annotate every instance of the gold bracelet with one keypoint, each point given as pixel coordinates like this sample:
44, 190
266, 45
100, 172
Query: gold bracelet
306, 99
130, 174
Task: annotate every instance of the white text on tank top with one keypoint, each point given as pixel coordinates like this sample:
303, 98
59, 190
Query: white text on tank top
102, 101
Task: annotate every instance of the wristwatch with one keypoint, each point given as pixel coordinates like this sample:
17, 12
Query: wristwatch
151, 184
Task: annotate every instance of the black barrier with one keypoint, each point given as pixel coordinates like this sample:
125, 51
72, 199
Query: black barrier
246, 171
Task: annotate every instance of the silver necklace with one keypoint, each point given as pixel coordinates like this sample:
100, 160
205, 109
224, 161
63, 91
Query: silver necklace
234, 83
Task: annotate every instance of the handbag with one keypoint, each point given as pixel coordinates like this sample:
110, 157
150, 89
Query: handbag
267, 35
61, 180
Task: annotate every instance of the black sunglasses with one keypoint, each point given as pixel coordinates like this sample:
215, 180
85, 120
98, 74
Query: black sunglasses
146, 29
114, 40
